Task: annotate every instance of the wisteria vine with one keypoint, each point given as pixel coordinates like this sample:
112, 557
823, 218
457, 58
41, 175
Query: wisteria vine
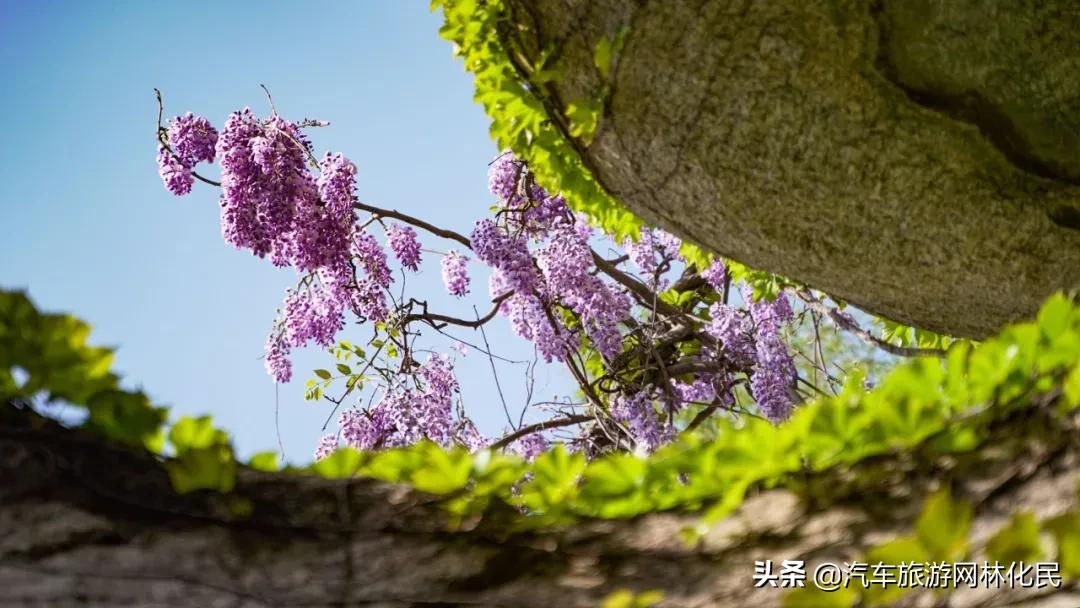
655, 344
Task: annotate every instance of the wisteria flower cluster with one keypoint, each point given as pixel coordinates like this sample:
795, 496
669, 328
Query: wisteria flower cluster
655, 343
193, 139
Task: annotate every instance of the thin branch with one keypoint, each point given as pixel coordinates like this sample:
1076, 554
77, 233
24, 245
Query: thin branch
704, 414
850, 326
540, 426
337, 403
478, 348
431, 318
269, 98
277, 421
162, 136
408, 219
494, 371
639, 289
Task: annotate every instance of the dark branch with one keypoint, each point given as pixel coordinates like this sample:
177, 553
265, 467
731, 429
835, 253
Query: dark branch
540, 426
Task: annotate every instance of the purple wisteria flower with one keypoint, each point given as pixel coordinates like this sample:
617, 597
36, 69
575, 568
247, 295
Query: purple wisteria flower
455, 275
326, 446
405, 246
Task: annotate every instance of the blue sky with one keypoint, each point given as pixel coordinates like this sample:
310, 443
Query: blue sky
90, 229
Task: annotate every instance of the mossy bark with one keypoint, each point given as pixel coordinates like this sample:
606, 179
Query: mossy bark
920, 159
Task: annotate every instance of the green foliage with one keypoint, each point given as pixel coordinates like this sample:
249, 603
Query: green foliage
942, 527
342, 464
344, 352
941, 532
202, 456
941, 536
1018, 541
812, 597
584, 118
58, 365
520, 120
935, 404
941, 405
624, 598
51, 352
902, 335
906, 549
1065, 530
265, 461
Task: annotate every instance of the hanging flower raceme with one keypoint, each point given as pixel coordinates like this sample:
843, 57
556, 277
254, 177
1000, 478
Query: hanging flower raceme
455, 274
191, 140
774, 369
419, 406
405, 245
716, 274
567, 267
528, 208
327, 445
280, 202
733, 329
530, 446
637, 413
277, 359
177, 177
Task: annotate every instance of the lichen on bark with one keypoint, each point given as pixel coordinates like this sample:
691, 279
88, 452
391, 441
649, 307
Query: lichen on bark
916, 159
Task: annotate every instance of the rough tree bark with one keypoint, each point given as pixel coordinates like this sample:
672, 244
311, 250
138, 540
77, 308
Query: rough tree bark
83, 523
918, 158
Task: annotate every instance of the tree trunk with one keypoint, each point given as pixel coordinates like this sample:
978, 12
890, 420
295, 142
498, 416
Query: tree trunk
920, 159
86, 523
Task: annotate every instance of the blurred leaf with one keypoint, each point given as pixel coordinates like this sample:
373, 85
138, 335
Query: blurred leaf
942, 527
1017, 541
342, 464
265, 461
602, 57
1066, 531
443, 471
584, 117
906, 549
813, 597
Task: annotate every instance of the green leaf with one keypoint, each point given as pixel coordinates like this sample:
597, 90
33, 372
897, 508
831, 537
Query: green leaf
556, 474
443, 471
1066, 531
813, 597
1071, 387
584, 117
1017, 541
602, 57
622, 598
648, 599
209, 468
194, 433
265, 461
1056, 315
625, 598
942, 527
342, 464
906, 549
616, 474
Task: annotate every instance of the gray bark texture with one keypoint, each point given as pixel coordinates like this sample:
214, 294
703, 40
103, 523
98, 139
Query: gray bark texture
918, 158
86, 524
